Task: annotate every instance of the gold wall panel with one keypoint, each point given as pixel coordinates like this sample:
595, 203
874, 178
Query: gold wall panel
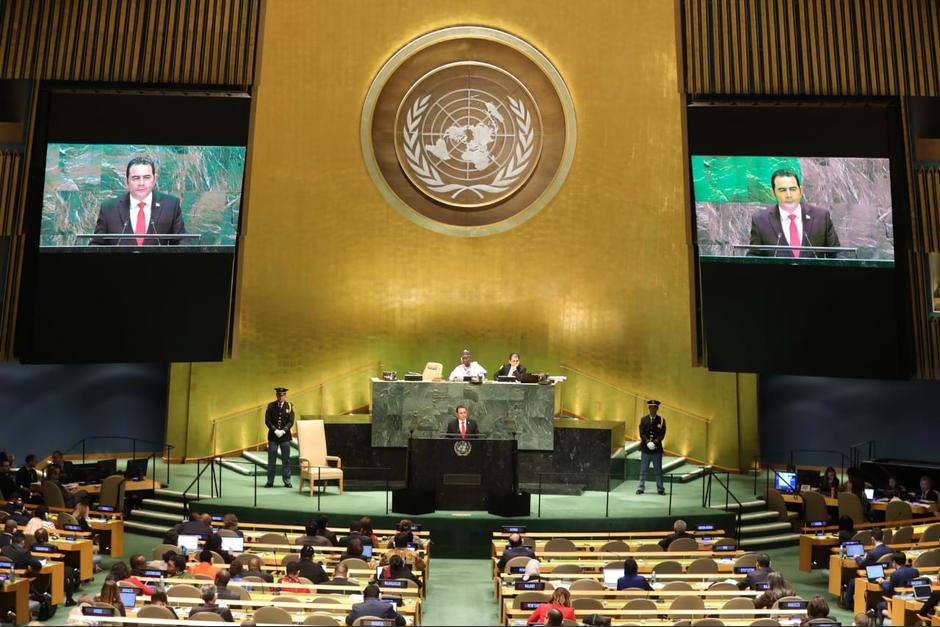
333, 278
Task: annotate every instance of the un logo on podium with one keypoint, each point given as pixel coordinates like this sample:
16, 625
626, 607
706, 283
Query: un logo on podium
468, 131
462, 448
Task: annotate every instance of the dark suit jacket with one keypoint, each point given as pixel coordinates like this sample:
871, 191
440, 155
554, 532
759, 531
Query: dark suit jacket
312, 571
115, 218
25, 476
453, 427
818, 230
282, 417
665, 542
215, 608
654, 432
900, 578
871, 557
374, 607
504, 371
267, 577
511, 552
751, 579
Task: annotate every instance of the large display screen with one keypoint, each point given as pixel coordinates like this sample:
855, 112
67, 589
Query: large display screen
798, 208
92, 195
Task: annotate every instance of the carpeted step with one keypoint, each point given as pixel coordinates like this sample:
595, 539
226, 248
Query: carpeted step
177, 495
765, 528
245, 470
746, 506
693, 473
163, 504
149, 515
770, 541
146, 528
759, 516
256, 458
672, 463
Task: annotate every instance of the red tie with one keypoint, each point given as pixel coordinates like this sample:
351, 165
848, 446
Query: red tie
141, 226
794, 235
463, 429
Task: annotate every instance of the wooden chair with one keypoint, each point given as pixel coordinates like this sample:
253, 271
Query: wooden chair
739, 603
112, 492
355, 563
207, 616
776, 503
272, 538
688, 603
928, 559
326, 600
683, 544
203, 577
161, 549
318, 618
748, 560
587, 603
702, 566
765, 622
52, 495
243, 595
652, 547
567, 569
863, 537
708, 622
615, 546
433, 371
586, 584
904, 535
314, 461
722, 586
639, 604
814, 507
156, 611
776, 605
850, 505
65, 518
530, 596
898, 510
226, 533
931, 534
669, 567
516, 562
184, 590
252, 579
272, 615
556, 545
290, 557
678, 585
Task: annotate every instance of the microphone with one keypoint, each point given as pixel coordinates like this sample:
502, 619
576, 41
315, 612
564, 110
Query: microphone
154, 227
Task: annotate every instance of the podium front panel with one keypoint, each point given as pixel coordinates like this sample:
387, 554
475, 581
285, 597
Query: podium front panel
462, 473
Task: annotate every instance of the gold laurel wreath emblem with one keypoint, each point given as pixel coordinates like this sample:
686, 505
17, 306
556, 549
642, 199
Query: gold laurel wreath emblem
505, 177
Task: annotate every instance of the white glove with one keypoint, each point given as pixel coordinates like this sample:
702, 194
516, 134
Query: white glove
651, 445
278, 432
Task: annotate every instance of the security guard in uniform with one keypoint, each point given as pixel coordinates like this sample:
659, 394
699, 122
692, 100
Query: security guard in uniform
279, 419
652, 432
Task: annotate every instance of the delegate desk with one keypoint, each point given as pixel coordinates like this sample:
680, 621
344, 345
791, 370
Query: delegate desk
815, 549
881, 505
14, 597
423, 408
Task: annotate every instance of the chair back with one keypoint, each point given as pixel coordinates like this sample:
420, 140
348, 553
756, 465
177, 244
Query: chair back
652, 547
904, 535
290, 557
678, 585
776, 503
898, 510
64, 518
216, 558
207, 616
155, 611
765, 622
355, 563
748, 559
203, 577
226, 533
814, 506
739, 603
615, 546
184, 590
722, 586
863, 537
725, 542
243, 595
372, 620
709, 622
274, 538
112, 492
326, 600
530, 596
566, 569
683, 544
931, 534
161, 549
560, 545
433, 371
243, 558
252, 579
587, 603
928, 559
669, 567
639, 604
318, 618
850, 505
52, 495
272, 615
702, 566
586, 584
688, 603
785, 600
311, 441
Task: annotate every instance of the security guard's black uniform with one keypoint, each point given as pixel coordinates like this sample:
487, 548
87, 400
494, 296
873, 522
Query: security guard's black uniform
279, 418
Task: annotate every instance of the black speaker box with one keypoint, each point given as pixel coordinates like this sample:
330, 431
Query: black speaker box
412, 501
509, 504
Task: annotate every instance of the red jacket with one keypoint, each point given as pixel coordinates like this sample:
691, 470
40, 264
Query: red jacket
538, 616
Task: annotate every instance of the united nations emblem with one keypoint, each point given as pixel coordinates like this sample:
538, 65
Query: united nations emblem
468, 131
462, 448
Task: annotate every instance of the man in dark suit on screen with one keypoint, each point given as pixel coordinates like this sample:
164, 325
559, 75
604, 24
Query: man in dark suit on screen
141, 211
791, 223
462, 426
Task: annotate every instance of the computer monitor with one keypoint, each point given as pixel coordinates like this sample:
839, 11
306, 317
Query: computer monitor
611, 575
807, 477
136, 469
870, 493
785, 481
106, 468
875, 571
233, 544
367, 550
854, 549
187, 542
128, 596
922, 592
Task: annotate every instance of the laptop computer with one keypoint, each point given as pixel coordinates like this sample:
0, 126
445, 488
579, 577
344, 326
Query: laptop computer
875, 571
854, 549
128, 596
611, 575
234, 545
869, 493
367, 551
785, 482
922, 592
187, 542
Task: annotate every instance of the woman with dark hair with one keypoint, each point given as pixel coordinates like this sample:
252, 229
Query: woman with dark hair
367, 531
353, 549
561, 601
111, 595
816, 608
159, 599
846, 529
398, 570
631, 578
829, 484
214, 543
121, 572
778, 589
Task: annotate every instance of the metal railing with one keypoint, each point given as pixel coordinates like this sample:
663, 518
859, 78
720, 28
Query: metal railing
164, 448
855, 452
729, 496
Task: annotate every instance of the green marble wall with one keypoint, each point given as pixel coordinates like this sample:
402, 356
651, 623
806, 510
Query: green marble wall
79, 177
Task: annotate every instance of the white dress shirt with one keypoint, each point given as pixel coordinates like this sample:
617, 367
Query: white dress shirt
473, 370
136, 210
785, 223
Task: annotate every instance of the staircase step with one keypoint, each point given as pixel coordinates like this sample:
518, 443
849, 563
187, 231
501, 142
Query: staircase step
145, 528
765, 528
173, 506
175, 494
672, 464
693, 473
256, 458
246, 470
758, 516
151, 515
773, 541
746, 505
